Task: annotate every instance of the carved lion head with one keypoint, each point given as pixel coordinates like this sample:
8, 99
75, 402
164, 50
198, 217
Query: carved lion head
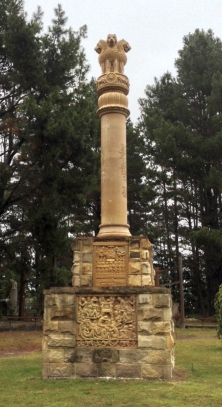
111, 40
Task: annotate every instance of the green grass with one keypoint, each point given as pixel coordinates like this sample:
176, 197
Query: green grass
198, 363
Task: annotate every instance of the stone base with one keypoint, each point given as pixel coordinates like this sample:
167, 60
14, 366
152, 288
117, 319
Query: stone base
110, 333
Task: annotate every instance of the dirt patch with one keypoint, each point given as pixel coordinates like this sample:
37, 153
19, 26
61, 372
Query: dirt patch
15, 343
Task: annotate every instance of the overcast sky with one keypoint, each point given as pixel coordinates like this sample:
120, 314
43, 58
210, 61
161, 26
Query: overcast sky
154, 29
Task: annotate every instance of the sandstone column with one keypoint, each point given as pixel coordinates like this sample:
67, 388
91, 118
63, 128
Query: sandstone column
113, 88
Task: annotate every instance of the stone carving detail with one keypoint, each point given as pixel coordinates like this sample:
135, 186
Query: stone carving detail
112, 54
106, 321
110, 263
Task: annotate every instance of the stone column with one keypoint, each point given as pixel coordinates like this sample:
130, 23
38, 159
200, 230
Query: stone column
113, 88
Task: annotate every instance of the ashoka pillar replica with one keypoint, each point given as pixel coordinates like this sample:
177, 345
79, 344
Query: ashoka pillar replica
113, 322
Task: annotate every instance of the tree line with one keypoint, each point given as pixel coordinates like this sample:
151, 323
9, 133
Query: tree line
50, 159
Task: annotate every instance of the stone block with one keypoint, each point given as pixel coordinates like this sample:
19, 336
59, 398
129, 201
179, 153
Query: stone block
145, 244
134, 268
76, 268
67, 327
78, 355
87, 257
130, 371
154, 327
151, 372
146, 280
77, 257
170, 342
59, 300
145, 299
144, 254
50, 326
167, 314
150, 313
45, 343
135, 254
59, 314
161, 300
61, 340
134, 243
106, 370
87, 243
60, 370
146, 268
86, 268
135, 280
167, 372
155, 357
105, 355
86, 281
76, 245
76, 281
151, 341
86, 370
54, 356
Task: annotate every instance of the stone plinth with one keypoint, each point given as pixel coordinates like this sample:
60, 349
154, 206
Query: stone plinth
113, 262
118, 332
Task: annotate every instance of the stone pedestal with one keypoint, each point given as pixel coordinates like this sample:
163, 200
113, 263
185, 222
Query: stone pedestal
113, 323
111, 333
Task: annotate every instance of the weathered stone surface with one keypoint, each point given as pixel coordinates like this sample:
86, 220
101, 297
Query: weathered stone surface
152, 341
167, 314
170, 342
150, 313
45, 342
67, 327
50, 326
135, 254
60, 370
105, 355
134, 268
161, 300
144, 254
134, 280
87, 257
107, 370
145, 244
61, 340
145, 299
151, 372
155, 357
78, 355
86, 268
76, 268
59, 300
76, 245
131, 371
77, 257
86, 280
146, 268
59, 314
76, 281
134, 244
167, 372
154, 328
86, 370
54, 355
146, 280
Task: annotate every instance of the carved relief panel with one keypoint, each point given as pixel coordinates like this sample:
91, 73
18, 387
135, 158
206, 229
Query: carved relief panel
106, 321
110, 264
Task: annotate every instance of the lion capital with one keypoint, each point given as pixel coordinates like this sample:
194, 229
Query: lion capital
112, 54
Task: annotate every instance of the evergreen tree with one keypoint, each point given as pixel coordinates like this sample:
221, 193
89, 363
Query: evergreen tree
181, 123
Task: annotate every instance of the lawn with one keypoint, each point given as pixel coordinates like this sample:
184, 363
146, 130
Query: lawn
197, 380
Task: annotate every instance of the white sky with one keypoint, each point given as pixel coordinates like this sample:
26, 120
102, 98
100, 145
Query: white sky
153, 28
